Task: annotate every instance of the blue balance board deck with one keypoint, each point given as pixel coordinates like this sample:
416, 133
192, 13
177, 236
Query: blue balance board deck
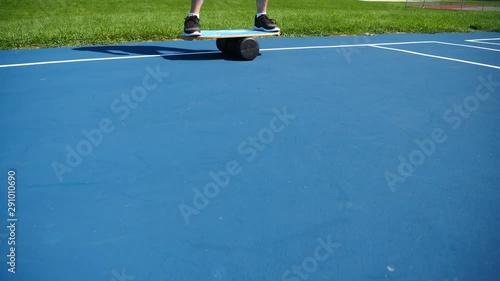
231, 33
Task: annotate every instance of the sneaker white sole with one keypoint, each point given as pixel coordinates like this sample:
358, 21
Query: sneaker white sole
276, 29
193, 34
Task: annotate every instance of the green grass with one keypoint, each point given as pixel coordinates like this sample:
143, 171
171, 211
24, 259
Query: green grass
49, 23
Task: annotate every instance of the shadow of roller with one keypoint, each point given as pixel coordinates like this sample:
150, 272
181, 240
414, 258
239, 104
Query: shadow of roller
169, 53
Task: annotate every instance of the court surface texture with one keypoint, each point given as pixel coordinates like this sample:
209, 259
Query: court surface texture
334, 158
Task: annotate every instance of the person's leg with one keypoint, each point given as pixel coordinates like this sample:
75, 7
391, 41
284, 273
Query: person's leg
196, 6
261, 6
262, 22
192, 22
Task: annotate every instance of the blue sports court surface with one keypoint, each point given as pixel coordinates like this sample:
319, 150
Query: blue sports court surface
343, 158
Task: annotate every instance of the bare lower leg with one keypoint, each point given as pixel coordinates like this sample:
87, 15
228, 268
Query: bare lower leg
261, 6
196, 6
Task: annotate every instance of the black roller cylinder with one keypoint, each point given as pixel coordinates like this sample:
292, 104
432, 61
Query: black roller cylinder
222, 45
241, 48
247, 48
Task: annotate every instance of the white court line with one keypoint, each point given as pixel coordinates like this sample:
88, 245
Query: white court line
437, 57
480, 41
468, 46
346, 46
103, 59
484, 39
489, 43
202, 53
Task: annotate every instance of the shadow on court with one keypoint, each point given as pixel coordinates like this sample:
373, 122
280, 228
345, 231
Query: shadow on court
169, 53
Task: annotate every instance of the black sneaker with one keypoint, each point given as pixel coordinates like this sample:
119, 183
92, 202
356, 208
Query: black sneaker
191, 26
263, 23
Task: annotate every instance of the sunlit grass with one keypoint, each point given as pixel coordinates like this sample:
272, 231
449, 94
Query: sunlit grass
49, 23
